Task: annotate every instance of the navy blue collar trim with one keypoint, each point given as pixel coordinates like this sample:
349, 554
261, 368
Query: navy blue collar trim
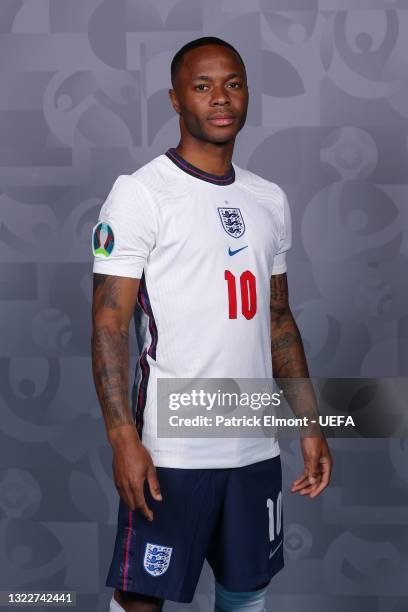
217, 179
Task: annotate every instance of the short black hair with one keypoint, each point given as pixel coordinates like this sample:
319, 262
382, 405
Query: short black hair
193, 44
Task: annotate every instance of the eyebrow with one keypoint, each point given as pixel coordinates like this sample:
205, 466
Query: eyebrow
205, 77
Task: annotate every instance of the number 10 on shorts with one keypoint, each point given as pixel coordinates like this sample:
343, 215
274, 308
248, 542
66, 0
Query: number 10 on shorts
275, 516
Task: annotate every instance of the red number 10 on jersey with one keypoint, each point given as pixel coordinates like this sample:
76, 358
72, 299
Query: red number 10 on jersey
247, 283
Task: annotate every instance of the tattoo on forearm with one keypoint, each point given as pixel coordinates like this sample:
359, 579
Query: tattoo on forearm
284, 340
110, 358
279, 295
288, 355
110, 363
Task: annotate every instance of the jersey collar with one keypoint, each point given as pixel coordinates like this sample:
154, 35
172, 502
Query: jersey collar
183, 164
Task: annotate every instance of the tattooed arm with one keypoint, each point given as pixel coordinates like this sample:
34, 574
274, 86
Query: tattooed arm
114, 299
288, 355
292, 374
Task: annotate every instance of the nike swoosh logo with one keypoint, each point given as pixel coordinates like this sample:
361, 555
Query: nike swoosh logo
274, 551
231, 252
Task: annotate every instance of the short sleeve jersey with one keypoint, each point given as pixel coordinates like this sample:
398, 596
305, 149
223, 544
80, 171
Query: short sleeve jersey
204, 247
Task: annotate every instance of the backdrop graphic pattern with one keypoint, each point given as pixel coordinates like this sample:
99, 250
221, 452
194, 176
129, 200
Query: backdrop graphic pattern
83, 98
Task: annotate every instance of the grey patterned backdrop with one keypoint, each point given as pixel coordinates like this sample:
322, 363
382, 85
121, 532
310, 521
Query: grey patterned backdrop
83, 98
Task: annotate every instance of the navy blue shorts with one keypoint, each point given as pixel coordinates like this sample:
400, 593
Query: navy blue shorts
230, 516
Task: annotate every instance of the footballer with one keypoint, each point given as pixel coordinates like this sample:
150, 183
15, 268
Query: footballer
193, 248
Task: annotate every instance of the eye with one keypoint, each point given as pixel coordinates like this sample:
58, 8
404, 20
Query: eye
201, 85
236, 83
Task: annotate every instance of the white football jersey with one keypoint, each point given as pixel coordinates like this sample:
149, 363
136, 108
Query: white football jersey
204, 247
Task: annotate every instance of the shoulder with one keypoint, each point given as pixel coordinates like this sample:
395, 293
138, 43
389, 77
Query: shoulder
157, 177
262, 188
140, 187
149, 177
129, 199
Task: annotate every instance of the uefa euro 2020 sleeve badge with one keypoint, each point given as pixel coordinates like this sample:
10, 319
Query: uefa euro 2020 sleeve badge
103, 239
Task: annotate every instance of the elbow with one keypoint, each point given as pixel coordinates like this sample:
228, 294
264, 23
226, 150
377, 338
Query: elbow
109, 328
109, 322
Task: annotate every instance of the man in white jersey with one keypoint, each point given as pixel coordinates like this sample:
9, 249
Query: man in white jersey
193, 248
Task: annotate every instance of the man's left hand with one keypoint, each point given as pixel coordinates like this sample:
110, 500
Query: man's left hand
318, 466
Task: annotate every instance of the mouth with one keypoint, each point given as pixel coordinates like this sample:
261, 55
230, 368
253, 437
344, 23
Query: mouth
222, 119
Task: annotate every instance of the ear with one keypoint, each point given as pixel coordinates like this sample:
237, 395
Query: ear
174, 101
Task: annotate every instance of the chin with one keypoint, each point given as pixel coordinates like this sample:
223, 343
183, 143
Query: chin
222, 137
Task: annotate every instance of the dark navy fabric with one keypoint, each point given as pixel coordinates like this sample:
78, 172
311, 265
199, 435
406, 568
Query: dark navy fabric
222, 515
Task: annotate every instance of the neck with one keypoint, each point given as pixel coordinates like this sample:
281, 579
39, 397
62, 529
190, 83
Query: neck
212, 158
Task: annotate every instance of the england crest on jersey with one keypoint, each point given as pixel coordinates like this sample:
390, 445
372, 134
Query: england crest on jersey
156, 559
232, 221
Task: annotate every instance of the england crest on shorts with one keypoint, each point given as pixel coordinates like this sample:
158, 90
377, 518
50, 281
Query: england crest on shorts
232, 221
156, 559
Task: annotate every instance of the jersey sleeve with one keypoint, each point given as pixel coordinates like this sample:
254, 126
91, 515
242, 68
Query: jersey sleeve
126, 229
285, 242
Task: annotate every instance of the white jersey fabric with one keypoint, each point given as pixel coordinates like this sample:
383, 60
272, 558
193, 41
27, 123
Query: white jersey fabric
204, 247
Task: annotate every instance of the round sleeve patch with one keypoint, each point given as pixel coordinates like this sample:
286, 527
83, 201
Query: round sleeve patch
103, 239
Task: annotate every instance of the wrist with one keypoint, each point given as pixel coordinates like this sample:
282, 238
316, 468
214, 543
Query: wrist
122, 434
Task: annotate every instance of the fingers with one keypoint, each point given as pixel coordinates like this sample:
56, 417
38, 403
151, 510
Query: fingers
299, 483
142, 506
131, 471
311, 489
307, 478
314, 471
323, 484
153, 482
306, 487
133, 496
313, 480
325, 478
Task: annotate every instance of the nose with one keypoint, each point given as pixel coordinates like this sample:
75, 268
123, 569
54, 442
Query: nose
219, 95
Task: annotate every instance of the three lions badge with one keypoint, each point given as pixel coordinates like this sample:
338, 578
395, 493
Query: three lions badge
232, 221
156, 559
